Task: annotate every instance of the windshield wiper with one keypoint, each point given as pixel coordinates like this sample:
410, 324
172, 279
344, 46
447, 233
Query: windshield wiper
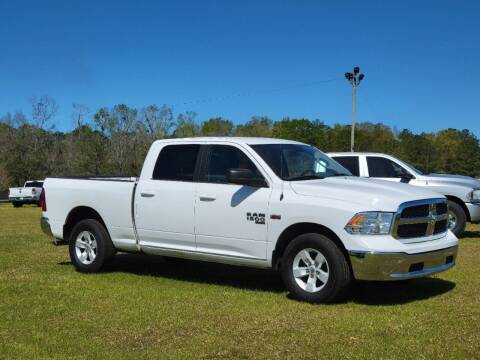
305, 177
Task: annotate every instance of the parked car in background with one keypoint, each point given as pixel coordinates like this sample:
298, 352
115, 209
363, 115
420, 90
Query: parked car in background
28, 194
462, 192
256, 202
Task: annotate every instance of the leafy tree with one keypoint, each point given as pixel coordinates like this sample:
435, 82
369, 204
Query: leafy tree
217, 127
186, 126
114, 141
258, 126
158, 121
303, 130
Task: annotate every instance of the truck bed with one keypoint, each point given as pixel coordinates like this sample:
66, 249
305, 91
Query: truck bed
110, 197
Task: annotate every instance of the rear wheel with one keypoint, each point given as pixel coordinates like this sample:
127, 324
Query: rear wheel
314, 269
17, 205
90, 246
457, 219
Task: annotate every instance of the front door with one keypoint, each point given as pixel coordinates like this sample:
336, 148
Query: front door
230, 219
386, 169
165, 203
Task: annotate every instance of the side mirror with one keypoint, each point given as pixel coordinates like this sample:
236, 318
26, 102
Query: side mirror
406, 177
244, 177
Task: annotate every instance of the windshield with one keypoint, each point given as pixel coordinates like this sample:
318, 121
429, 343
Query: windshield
299, 162
419, 172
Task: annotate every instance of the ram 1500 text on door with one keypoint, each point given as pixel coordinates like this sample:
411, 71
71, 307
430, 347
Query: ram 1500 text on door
257, 202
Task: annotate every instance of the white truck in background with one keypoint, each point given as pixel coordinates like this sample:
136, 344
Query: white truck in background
462, 192
256, 202
28, 194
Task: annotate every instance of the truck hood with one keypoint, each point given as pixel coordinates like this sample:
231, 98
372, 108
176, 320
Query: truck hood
379, 195
458, 180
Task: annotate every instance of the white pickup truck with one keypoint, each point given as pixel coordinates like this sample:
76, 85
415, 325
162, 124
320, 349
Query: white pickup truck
256, 202
462, 192
28, 194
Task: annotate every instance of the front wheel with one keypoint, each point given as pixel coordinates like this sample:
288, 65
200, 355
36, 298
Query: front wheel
314, 269
90, 246
457, 219
17, 205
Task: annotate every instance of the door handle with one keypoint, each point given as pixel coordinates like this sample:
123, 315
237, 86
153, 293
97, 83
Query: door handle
146, 194
207, 198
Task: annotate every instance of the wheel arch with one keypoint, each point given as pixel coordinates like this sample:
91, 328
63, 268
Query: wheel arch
78, 214
461, 203
294, 230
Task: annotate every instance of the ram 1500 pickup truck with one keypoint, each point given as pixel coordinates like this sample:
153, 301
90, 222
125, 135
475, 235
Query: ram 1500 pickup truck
462, 192
28, 194
256, 202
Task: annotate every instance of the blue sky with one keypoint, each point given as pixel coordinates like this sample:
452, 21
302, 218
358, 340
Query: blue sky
421, 58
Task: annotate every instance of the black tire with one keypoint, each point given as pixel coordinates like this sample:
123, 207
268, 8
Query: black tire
104, 246
460, 215
17, 205
339, 277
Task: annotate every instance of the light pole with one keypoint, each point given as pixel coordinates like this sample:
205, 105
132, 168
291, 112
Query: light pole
354, 78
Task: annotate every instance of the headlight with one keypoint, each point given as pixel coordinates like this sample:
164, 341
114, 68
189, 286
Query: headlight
474, 196
370, 223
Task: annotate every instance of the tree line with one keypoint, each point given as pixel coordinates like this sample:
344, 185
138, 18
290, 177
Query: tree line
114, 140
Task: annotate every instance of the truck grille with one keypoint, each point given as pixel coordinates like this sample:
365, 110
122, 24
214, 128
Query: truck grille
421, 218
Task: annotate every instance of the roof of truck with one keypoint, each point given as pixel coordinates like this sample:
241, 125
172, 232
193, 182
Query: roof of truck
239, 140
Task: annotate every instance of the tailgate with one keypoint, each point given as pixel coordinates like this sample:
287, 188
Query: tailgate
15, 192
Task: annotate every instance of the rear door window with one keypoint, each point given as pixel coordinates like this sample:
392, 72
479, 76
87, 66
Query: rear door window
350, 163
176, 163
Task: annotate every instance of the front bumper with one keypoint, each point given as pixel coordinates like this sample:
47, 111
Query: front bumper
474, 211
399, 266
45, 225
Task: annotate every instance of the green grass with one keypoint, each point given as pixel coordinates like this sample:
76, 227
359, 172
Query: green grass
146, 307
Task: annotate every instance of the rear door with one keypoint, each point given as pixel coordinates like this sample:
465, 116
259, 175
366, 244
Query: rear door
165, 202
231, 219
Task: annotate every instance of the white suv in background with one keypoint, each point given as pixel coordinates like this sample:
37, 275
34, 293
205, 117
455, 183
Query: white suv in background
462, 192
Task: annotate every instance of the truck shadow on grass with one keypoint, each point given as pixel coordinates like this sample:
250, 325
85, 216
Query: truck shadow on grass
470, 234
398, 292
361, 292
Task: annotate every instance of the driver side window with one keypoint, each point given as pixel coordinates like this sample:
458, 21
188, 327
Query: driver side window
224, 157
384, 168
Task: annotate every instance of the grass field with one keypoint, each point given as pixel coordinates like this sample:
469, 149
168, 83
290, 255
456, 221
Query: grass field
145, 307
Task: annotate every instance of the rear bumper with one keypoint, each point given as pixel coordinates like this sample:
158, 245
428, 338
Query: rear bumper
400, 266
23, 199
474, 211
45, 225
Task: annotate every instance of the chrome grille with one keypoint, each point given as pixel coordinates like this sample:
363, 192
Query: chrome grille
421, 218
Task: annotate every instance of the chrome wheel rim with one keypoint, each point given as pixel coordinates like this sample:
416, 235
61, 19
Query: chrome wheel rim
452, 220
86, 247
310, 270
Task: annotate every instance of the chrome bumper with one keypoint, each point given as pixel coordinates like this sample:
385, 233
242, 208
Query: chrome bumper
474, 211
399, 266
45, 225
